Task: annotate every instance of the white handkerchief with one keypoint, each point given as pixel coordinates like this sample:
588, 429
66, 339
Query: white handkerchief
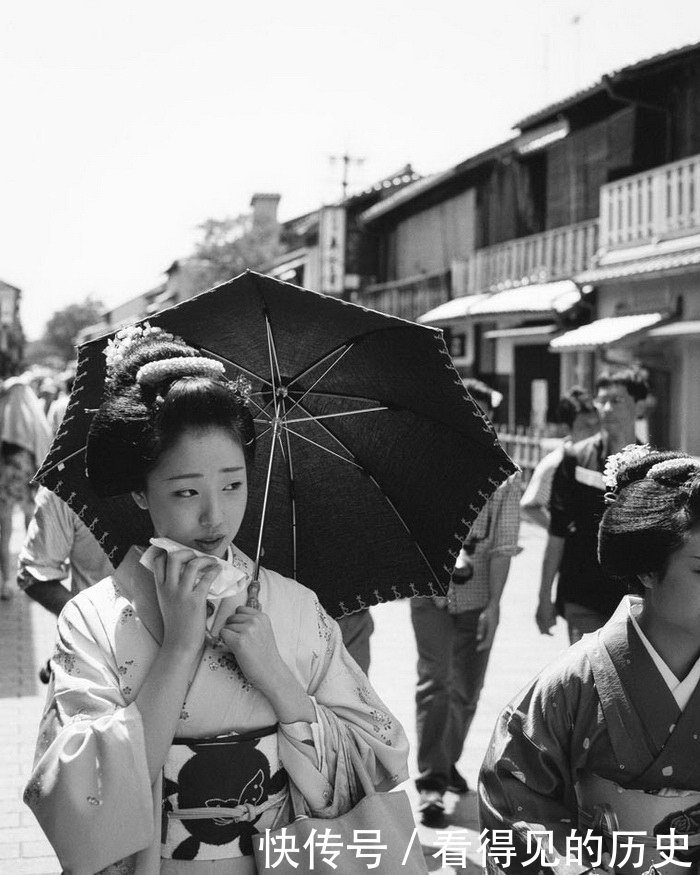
229, 581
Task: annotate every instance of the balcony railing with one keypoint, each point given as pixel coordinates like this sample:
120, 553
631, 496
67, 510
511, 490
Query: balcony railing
408, 298
664, 202
551, 255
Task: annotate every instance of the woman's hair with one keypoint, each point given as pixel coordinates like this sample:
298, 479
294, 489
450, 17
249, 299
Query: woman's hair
576, 401
158, 387
657, 504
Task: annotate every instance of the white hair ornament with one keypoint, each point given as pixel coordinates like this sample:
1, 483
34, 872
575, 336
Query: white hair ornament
157, 372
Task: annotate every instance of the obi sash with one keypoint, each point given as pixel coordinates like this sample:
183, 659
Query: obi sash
218, 793
606, 808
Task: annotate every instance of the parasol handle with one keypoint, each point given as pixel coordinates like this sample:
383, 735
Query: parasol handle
254, 585
253, 591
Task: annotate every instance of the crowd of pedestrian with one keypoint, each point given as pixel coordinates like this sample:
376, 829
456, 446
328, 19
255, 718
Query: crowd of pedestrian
613, 527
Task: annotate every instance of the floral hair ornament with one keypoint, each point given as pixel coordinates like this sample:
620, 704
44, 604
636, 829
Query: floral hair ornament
243, 387
154, 373
117, 348
630, 453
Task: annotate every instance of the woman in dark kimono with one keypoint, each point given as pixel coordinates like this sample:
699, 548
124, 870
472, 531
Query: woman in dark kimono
606, 740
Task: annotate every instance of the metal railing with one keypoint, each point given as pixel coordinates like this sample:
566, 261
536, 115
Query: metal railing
551, 255
661, 202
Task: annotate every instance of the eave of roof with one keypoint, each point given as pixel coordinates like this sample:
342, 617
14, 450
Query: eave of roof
422, 186
559, 106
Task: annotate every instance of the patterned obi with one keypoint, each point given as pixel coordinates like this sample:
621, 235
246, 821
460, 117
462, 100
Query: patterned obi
219, 792
605, 808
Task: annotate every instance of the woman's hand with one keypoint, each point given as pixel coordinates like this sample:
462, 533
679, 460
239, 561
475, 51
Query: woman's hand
248, 635
182, 584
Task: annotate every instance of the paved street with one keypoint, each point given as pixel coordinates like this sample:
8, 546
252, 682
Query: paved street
26, 636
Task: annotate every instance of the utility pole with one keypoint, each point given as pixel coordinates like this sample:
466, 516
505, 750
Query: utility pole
347, 160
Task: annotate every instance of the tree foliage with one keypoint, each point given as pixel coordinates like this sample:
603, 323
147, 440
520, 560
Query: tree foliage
231, 245
64, 326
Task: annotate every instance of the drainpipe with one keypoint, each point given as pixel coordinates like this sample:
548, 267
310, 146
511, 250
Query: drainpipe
654, 107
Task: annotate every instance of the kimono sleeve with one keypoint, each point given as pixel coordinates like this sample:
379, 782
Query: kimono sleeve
527, 783
89, 789
349, 712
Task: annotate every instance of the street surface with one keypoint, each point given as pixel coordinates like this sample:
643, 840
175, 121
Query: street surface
26, 640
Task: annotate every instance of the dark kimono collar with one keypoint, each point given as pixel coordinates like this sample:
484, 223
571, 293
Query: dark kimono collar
645, 686
655, 732
138, 585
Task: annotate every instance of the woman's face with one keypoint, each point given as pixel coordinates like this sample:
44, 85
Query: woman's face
675, 598
196, 494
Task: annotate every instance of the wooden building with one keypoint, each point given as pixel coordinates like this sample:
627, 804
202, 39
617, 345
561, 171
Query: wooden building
600, 190
329, 250
646, 270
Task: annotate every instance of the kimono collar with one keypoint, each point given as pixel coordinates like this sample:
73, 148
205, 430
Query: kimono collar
646, 689
137, 584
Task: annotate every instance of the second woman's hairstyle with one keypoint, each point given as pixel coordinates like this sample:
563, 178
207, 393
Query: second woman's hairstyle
157, 388
657, 503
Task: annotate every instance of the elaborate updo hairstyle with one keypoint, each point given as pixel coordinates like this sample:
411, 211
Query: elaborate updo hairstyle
158, 387
657, 504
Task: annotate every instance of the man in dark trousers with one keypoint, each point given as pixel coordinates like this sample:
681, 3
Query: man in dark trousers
454, 637
586, 598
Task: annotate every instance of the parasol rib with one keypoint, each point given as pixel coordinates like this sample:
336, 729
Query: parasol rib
63, 461
384, 495
343, 348
325, 449
292, 497
272, 356
261, 409
234, 364
317, 381
334, 415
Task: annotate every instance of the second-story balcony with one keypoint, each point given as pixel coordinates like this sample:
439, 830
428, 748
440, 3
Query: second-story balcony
648, 207
408, 298
549, 256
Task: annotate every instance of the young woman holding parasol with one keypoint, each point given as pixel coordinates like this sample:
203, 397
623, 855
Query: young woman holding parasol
174, 693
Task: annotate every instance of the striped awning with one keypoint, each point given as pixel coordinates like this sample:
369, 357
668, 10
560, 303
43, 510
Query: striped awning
605, 332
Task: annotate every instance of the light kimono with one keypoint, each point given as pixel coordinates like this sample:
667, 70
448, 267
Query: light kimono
90, 787
601, 718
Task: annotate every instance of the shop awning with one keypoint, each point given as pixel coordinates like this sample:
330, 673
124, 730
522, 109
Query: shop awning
640, 267
532, 299
604, 332
457, 308
524, 331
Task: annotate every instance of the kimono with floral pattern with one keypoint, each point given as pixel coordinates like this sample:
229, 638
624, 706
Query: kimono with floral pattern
603, 709
90, 787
